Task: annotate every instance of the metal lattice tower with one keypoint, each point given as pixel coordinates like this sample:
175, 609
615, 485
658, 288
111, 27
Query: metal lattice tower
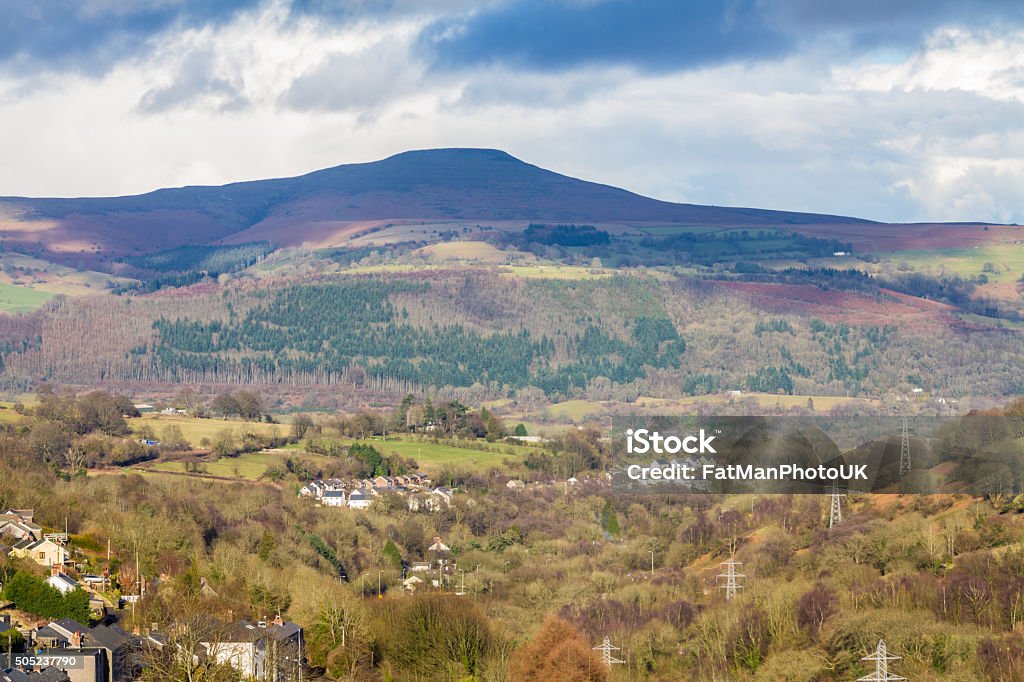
606, 650
835, 514
731, 578
905, 447
881, 658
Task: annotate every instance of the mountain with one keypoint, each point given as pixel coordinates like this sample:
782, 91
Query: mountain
479, 185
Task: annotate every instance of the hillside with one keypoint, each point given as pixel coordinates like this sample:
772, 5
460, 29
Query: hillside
327, 205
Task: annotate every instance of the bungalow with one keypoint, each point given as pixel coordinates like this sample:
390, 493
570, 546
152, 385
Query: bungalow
333, 498
61, 581
383, 482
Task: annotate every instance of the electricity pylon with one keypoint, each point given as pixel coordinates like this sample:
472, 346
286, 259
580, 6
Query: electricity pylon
905, 447
835, 514
731, 585
881, 658
606, 650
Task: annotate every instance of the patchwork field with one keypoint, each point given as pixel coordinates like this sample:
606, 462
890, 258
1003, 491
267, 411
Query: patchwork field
26, 282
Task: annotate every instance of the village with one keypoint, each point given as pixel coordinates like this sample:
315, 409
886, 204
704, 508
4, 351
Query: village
66, 649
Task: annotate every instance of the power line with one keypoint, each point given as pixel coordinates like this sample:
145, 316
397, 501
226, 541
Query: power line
835, 514
606, 648
731, 585
881, 658
905, 446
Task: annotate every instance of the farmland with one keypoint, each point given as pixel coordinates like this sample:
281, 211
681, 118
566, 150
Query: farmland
196, 430
19, 299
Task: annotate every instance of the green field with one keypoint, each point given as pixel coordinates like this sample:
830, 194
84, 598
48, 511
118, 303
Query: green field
19, 299
576, 410
194, 430
1007, 261
432, 456
251, 465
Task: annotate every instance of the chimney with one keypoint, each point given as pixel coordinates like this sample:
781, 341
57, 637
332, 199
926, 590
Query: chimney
136, 630
231, 615
76, 640
56, 569
278, 620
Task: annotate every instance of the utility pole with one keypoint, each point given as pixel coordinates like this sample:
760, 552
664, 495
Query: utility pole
731, 578
905, 446
606, 650
835, 515
881, 658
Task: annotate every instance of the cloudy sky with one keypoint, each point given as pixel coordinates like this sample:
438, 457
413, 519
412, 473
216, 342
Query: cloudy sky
902, 110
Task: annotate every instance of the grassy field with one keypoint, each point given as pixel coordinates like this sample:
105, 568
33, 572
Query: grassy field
20, 299
250, 466
194, 430
42, 280
432, 457
1007, 261
576, 410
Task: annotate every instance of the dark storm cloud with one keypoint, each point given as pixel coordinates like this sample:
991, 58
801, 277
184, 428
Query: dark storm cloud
657, 34
90, 36
672, 35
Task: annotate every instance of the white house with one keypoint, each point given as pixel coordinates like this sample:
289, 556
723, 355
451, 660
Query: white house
359, 499
333, 498
61, 582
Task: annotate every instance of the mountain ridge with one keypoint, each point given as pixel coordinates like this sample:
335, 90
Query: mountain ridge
448, 184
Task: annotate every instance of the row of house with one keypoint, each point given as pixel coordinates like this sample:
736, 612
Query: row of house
361, 493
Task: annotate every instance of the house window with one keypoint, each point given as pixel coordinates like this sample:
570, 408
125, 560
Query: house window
42, 555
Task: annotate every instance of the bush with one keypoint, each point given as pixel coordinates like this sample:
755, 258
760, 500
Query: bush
434, 637
558, 652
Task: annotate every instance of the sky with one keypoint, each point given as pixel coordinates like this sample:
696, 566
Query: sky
894, 110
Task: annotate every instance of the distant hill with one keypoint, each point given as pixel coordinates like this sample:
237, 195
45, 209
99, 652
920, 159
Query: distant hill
483, 185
